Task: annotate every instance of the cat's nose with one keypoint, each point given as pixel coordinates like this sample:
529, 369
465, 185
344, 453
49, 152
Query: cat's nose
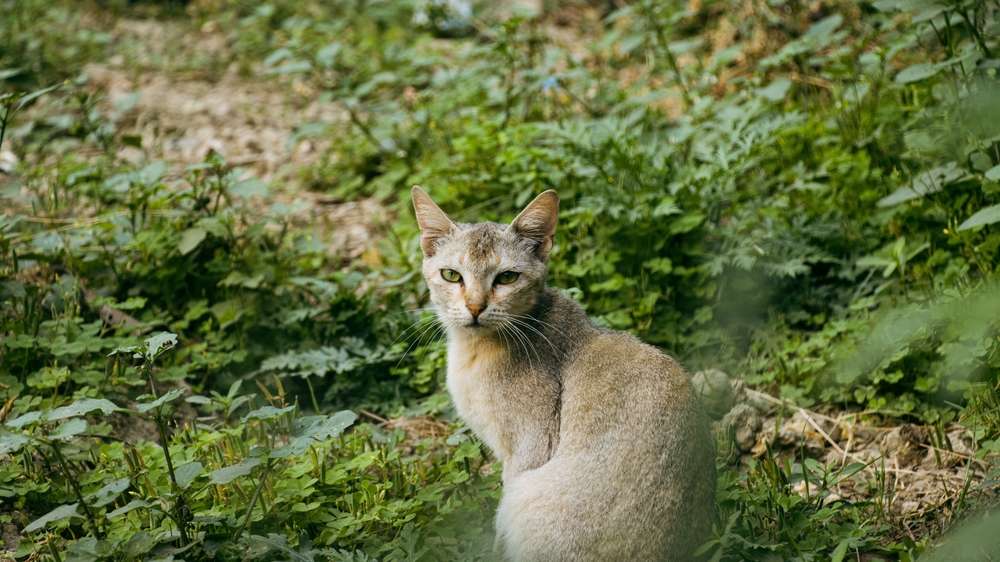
475, 309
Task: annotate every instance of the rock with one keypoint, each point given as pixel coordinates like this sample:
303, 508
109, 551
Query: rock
742, 423
715, 391
903, 443
797, 430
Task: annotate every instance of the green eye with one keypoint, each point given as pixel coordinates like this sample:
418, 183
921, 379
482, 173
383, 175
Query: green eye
451, 276
506, 278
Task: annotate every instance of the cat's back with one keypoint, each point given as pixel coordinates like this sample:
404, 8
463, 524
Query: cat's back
633, 475
623, 393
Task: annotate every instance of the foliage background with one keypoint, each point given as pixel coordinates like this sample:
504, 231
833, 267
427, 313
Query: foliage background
198, 362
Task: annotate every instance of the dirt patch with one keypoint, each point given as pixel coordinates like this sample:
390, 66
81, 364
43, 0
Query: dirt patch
915, 473
179, 111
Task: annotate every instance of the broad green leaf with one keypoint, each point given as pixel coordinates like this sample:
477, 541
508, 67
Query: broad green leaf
57, 514
266, 413
134, 504
83, 407
310, 429
89, 549
993, 174
159, 343
324, 427
987, 215
190, 240
24, 419
69, 429
230, 473
930, 181
12, 442
109, 492
140, 543
186, 473
776, 90
250, 187
917, 72
169, 396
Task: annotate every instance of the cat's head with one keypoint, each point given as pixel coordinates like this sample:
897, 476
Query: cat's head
485, 275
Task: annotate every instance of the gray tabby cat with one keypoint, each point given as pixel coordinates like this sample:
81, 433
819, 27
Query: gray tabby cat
606, 453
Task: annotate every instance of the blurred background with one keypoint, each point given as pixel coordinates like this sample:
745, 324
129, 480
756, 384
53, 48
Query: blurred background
214, 337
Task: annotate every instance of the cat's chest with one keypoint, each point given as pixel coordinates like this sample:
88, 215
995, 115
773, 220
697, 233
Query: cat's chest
475, 381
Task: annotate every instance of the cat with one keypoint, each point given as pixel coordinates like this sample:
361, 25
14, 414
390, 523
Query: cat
606, 453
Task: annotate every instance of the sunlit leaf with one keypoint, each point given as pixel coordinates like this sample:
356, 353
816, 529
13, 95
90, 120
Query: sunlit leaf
984, 216
230, 473
166, 397
109, 492
69, 429
82, 407
190, 239
57, 514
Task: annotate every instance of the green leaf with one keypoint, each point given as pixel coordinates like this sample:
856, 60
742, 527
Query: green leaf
993, 174
840, 551
190, 240
170, 396
925, 183
159, 343
140, 543
134, 504
24, 419
266, 413
82, 407
186, 473
776, 90
69, 429
984, 216
230, 473
917, 72
109, 492
25, 100
12, 442
250, 187
57, 514
310, 429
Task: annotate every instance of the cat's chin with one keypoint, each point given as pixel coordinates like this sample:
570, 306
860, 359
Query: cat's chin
475, 330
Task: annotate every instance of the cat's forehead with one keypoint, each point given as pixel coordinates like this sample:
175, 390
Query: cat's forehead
483, 245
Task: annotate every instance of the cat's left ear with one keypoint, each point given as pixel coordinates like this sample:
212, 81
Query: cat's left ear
434, 224
538, 221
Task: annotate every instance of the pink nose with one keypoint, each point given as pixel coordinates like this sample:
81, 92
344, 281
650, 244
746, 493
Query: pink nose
475, 309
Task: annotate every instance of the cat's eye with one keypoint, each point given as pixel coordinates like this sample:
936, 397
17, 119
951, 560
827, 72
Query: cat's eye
506, 278
451, 276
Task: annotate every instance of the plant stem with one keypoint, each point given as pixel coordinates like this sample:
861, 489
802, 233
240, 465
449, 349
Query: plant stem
52, 549
76, 489
253, 500
180, 506
661, 42
312, 394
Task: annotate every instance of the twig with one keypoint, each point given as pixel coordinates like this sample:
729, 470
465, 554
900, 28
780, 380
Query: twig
374, 416
957, 454
825, 435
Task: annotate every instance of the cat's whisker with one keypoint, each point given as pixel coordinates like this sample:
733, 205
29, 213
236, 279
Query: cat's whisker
515, 320
435, 323
416, 325
530, 318
527, 346
540, 334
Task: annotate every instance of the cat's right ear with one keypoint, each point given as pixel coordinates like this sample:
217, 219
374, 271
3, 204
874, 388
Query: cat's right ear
434, 224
